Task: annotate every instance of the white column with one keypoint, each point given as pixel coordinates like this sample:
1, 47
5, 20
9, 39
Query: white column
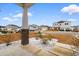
25, 17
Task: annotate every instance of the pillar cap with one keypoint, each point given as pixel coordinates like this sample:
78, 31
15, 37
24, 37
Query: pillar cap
28, 5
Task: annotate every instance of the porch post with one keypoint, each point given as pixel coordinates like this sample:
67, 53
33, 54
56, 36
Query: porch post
25, 29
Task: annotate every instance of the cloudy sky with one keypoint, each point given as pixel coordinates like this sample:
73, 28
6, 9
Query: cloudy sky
40, 14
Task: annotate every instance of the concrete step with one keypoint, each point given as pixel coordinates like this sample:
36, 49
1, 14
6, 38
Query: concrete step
61, 51
37, 51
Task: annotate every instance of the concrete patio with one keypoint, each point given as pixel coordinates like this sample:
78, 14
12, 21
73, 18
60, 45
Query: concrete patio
34, 48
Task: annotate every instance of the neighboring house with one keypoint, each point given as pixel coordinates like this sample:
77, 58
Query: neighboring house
44, 27
50, 28
75, 28
62, 25
33, 27
12, 27
78, 27
2, 27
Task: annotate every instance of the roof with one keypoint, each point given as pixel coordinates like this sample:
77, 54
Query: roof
44, 26
2, 26
61, 21
74, 26
12, 26
33, 25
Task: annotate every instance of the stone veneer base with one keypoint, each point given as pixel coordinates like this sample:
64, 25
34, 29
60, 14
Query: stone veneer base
24, 36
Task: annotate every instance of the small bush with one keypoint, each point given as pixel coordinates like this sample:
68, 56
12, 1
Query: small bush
49, 36
5, 32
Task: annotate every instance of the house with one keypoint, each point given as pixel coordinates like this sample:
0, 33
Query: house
12, 27
44, 27
62, 26
33, 27
2, 27
75, 28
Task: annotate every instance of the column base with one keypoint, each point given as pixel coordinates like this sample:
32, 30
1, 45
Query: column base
24, 36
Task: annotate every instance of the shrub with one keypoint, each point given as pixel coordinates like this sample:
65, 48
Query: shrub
39, 34
7, 40
50, 36
5, 32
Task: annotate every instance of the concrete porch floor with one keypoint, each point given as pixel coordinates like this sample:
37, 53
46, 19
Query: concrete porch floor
34, 48
17, 50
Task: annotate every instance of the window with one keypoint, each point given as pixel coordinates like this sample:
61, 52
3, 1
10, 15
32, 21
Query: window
66, 23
